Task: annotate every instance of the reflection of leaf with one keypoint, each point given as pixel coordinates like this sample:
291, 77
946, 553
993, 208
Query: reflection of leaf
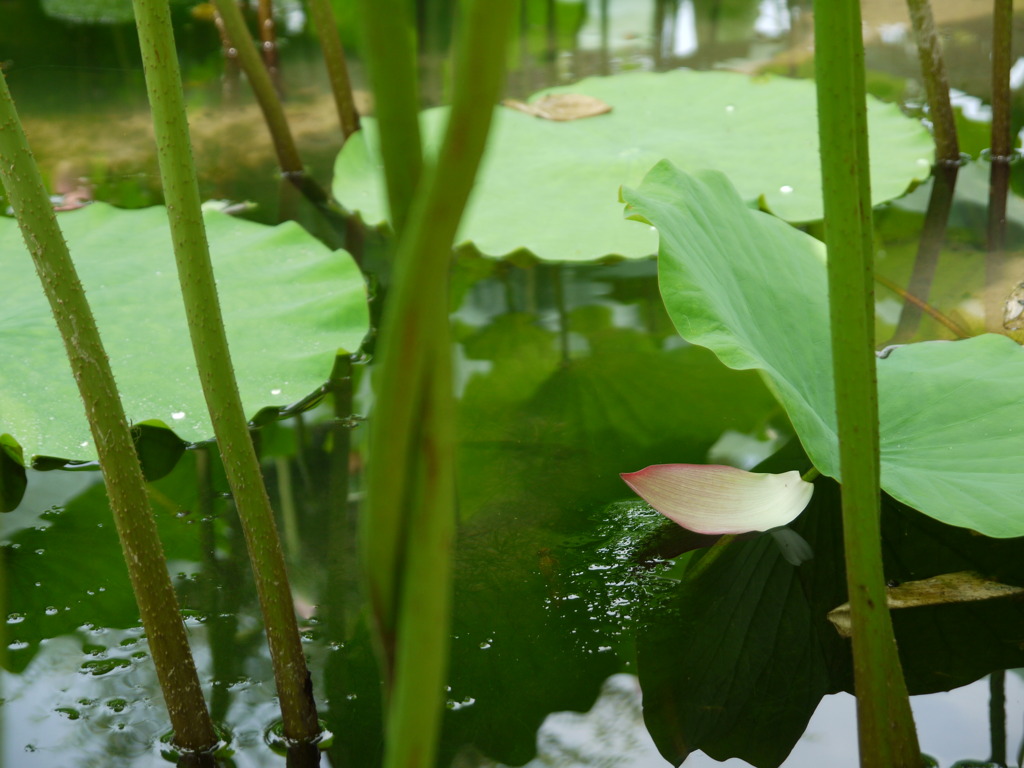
537, 626
69, 571
753, 289
551, 187
520, 644
543, 586
945, 589
572, 432
734, 661
968, 215
289, 304
946, 646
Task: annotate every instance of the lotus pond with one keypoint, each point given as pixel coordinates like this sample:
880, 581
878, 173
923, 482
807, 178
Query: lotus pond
578, 637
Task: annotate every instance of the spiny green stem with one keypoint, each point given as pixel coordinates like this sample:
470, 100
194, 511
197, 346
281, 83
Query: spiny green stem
886, 727
126, 490
421, 280
213, 362
1002, 59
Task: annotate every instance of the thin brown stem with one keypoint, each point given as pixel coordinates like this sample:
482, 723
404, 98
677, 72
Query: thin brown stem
337, 70
936, 83
268, 43
1001, 156
947, 162
923, 306
929, 249
232, 69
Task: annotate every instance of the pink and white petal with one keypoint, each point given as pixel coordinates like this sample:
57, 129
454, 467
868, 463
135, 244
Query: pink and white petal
711, 498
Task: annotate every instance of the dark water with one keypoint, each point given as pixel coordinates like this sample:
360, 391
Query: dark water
566, 377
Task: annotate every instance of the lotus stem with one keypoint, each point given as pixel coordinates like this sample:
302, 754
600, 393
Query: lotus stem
408, 531
558, 285
886, 728
262, 87
122, 474
708, 557
936, 83
947, 164
390, 50
273, 114
337, 69
268, 43
1001, 156
213, 362
232, 71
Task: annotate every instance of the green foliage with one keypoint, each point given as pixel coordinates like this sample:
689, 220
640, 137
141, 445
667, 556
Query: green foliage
551, 187
752, 289
283, 343
96, 11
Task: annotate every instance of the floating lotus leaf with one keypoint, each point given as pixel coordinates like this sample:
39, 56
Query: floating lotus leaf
551, 188
754, 290
290, 305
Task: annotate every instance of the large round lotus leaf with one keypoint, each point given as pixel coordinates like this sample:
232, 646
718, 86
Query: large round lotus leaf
290, 304
552, 187
754, 290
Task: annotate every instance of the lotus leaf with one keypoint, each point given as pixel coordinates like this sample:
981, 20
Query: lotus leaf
551, 187
753, 290
290, 305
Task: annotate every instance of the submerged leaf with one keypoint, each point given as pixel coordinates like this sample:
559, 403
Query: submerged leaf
711, 498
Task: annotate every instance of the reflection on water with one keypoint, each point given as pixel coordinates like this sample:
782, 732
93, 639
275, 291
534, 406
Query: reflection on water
566, 377
952, 726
